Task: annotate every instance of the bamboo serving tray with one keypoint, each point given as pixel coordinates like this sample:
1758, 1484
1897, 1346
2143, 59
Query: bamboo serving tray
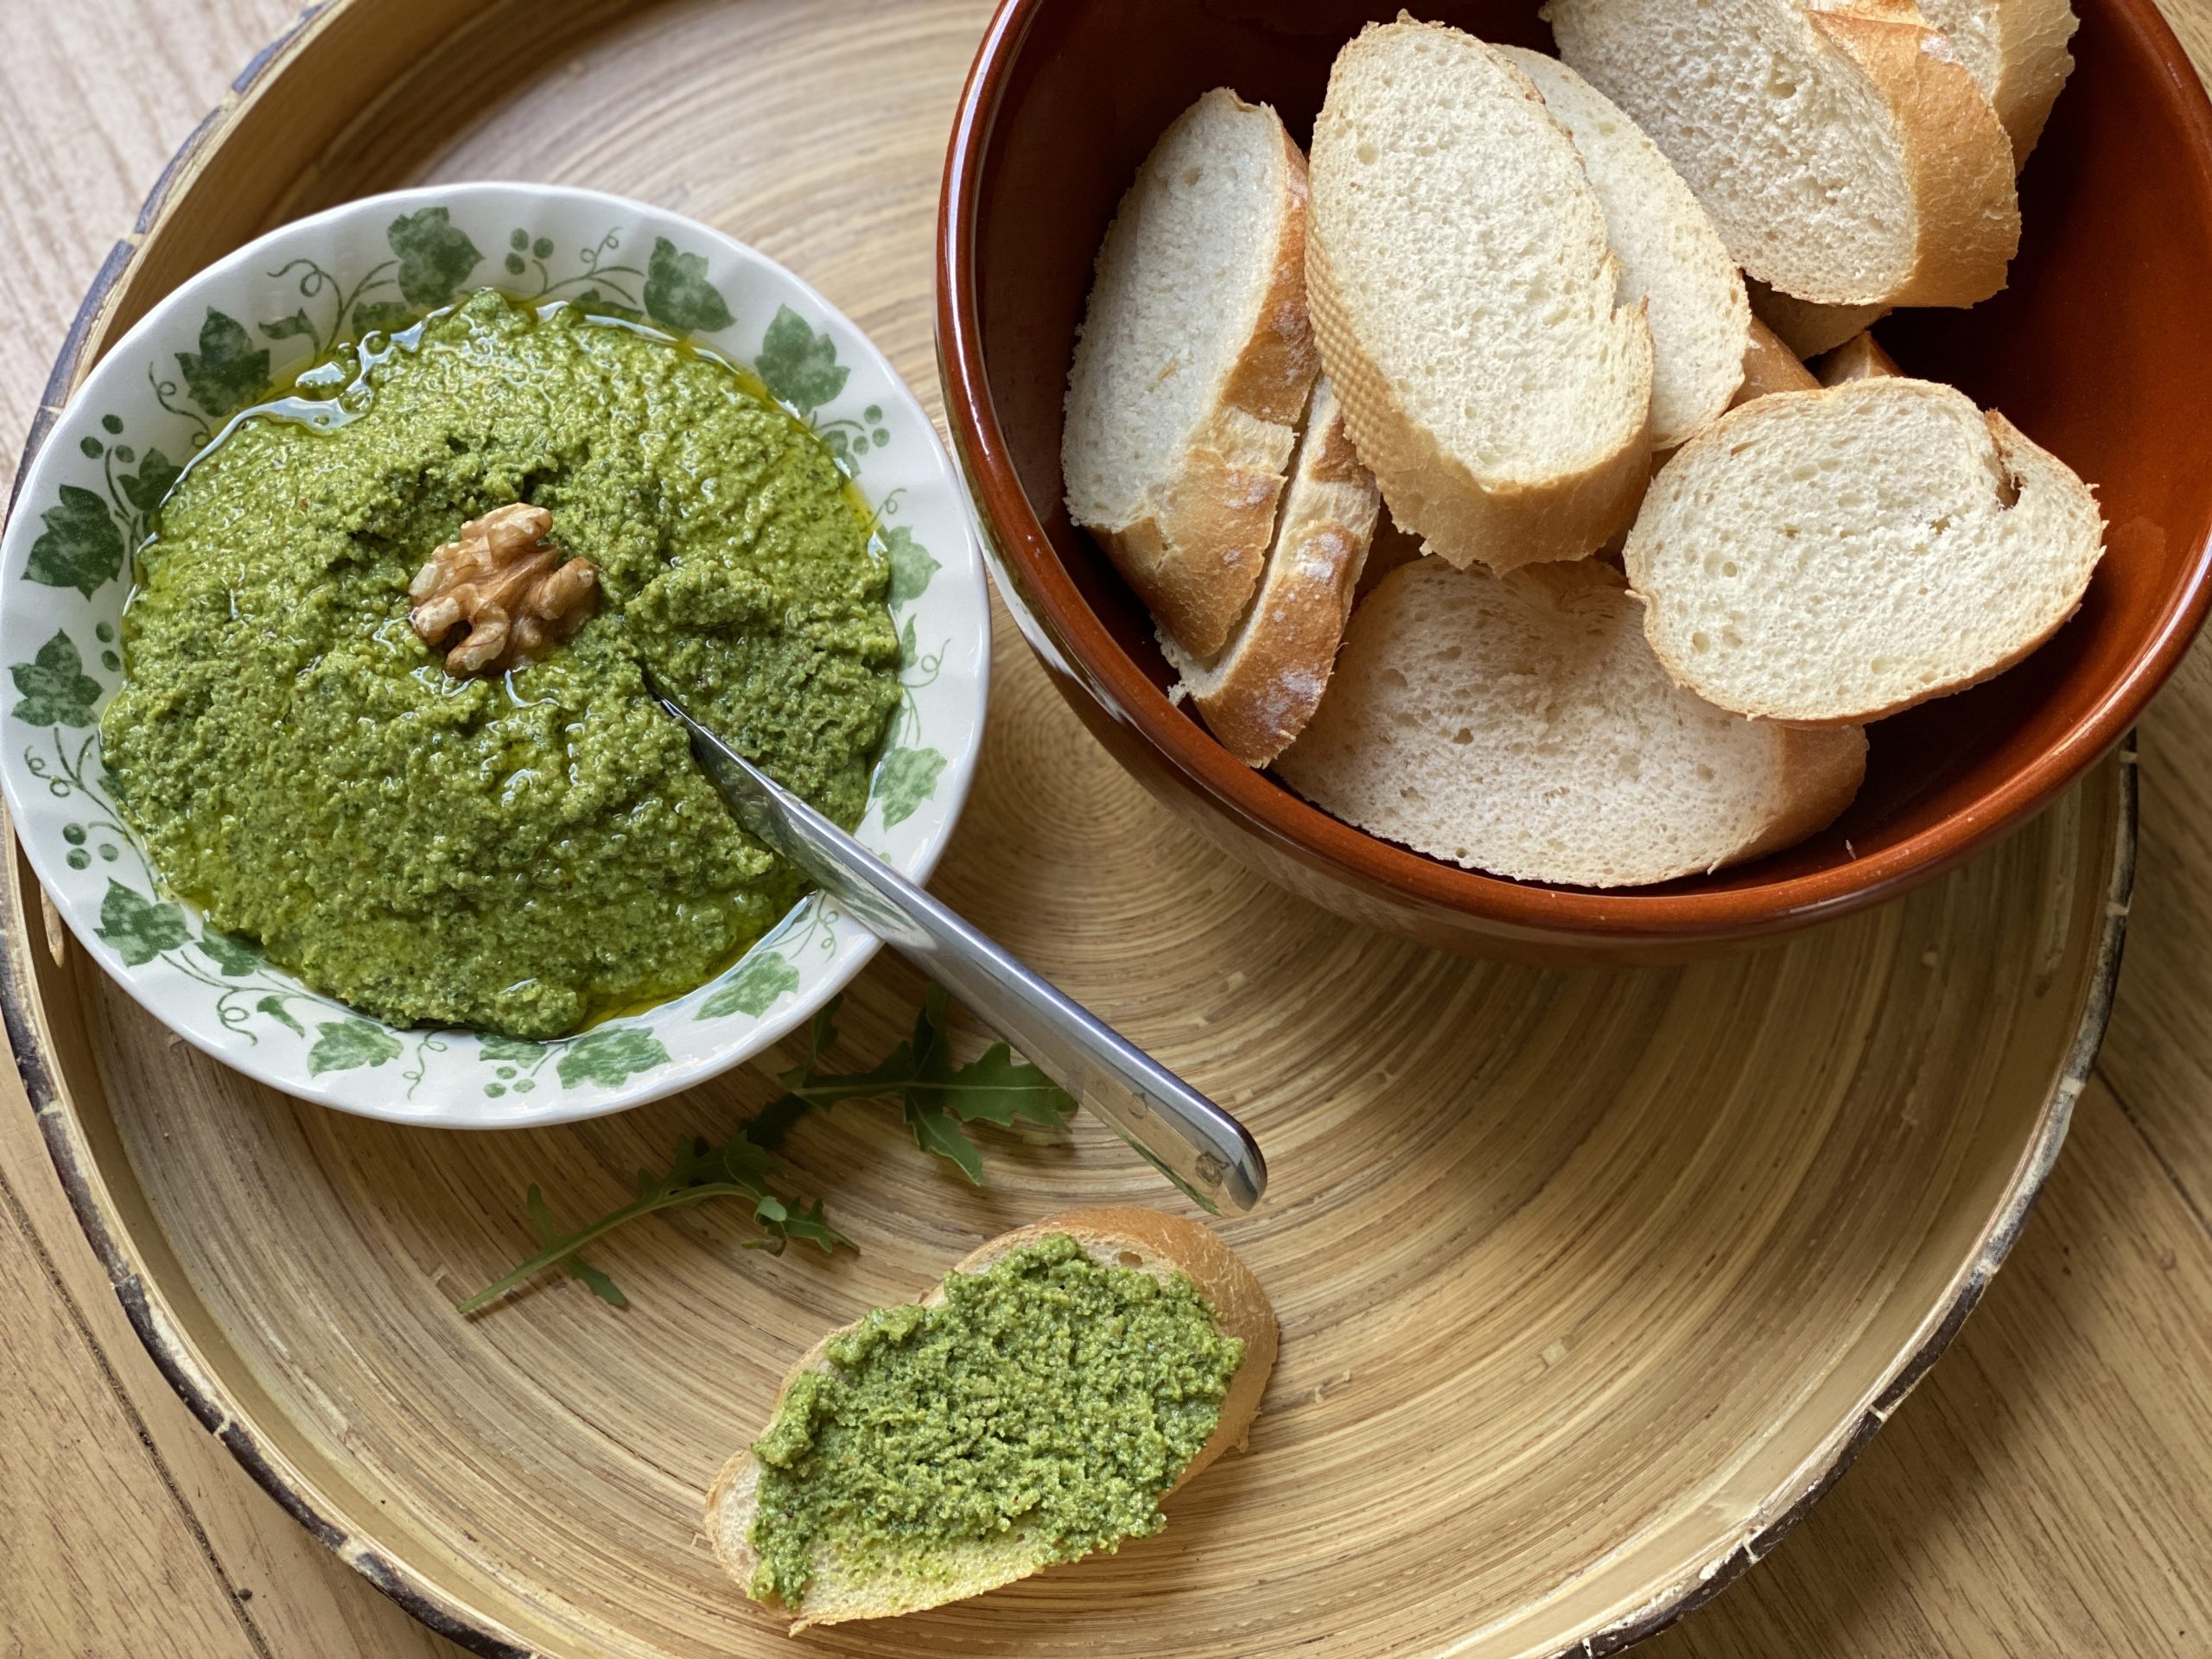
1590, 1282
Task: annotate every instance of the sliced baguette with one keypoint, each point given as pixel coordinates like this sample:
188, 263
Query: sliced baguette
1160, 1244
1258, 694
1860, 358
1466, 302
1520, 725
1393, 546
2016, 51
1805, 328
1770, 365
1192, 367
1844, 152
1670, 255
1831, 557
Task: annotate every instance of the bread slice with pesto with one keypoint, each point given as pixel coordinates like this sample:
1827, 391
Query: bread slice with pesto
917, 1531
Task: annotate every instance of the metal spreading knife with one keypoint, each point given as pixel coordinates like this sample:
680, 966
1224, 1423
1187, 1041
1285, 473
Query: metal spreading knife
1190, 1139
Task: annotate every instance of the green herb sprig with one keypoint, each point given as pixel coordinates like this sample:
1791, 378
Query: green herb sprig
937, 1097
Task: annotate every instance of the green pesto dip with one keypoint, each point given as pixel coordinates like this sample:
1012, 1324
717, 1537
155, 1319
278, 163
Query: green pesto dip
527, 853
1047, 1393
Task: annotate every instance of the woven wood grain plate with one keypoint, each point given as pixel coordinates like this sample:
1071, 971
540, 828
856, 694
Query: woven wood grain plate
1590, 1281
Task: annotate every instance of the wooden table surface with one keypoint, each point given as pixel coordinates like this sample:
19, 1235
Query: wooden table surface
2048, 1490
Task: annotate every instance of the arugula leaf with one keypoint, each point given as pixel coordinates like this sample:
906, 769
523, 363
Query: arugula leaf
808, 1224
768, 1128
820, 1036
998, 1088
541, 1223
935, 1131
696, 1170
994, 1089
878, 1083
937, 1097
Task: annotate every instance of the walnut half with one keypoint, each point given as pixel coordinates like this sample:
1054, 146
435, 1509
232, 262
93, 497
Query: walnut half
511, 591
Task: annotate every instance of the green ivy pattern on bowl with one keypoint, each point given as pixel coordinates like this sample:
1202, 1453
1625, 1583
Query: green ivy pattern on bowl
209, 351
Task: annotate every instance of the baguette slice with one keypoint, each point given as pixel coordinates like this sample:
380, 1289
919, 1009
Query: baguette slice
1670, 255
1258, 694
1805, 328
1193, 366
1520, 725
1844, 152
1465, 300
1393, 546
1828, 557
1162, 1245
1770, 365
1860, 358
2016, 51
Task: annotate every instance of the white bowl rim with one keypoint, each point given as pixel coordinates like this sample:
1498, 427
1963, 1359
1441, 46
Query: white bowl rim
947, 801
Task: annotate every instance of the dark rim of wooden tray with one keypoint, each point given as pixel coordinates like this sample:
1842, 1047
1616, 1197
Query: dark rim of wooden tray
470, 1630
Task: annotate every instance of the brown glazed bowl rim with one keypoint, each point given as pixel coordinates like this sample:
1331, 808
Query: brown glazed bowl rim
1784, 903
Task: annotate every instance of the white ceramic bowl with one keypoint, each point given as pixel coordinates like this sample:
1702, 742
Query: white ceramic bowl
153, 402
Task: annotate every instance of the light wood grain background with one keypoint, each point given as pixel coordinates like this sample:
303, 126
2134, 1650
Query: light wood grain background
2049, 1490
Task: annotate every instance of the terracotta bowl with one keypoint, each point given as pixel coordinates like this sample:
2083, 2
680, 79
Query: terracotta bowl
2101, 349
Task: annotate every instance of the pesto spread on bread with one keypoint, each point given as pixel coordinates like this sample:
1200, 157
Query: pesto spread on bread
1048, 1394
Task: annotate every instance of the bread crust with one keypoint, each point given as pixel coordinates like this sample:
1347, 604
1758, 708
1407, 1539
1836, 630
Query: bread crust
1770, 365
1259, 695
1196, 557
1462, 516
2032, 37
1164, 1244
1958, 160
1860, 358
1805, 328
1824, 779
